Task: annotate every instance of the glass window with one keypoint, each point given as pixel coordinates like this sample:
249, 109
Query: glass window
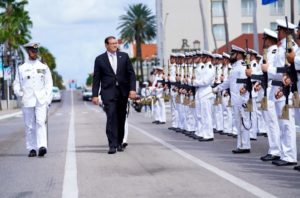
247, 27
277, 8
247, 7
219, 32
217, 9
273, 26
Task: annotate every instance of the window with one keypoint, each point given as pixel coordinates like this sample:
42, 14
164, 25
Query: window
273, 26
298, 6
217, 9
219, 32
247, 7
247, 27
277, 8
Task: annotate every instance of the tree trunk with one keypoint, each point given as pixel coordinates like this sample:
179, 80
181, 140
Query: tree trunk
212, 27
225, 26
255, 35
203, 18
139, 55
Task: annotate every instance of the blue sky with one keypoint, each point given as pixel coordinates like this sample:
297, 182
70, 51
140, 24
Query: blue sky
74, 30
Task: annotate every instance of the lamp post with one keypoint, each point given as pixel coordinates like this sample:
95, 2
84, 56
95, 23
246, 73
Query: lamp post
196, 44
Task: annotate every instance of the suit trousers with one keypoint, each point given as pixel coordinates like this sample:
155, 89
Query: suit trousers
115, 110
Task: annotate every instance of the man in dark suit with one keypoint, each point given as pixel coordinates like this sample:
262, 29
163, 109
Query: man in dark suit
114, 72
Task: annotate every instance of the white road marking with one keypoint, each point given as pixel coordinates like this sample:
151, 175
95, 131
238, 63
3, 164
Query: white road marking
19, 113
225, 175
70, 186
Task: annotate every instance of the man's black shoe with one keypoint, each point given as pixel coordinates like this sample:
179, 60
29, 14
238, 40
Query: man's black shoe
253, 139
120, 148
32, 153
112, 150
125, 145
206, 139
155, 122
240, 151
171, 128
229, 134
297, 168
283, 163
42, 151
269, 157
234, 135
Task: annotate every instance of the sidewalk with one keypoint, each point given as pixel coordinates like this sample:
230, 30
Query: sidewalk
9, 113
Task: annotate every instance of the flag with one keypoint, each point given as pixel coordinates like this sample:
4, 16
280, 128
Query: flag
265, 2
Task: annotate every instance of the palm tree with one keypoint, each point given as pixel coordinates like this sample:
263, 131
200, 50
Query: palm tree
138, 25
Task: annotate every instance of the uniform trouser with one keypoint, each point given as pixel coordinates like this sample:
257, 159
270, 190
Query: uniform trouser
243, 124
198, 118
156, 110
174, 112
161, 110
261, 122
273, 131
182, 117
287, 134
190, 122
206, 115
227, 115
125, 131
35, 126
218, 110
254, 120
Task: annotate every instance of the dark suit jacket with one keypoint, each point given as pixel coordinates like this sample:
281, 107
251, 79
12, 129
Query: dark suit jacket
104, 75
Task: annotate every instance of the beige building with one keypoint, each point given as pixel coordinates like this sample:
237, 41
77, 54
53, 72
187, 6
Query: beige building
180, 22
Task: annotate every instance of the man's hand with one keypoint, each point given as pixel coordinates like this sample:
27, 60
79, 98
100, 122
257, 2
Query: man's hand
278, 94
243, 90
95, 100
248, 72
286, 80
265, 67
291, 57
257, 87
132, 95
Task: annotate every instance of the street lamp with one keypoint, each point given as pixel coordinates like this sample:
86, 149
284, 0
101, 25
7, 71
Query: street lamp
196, 44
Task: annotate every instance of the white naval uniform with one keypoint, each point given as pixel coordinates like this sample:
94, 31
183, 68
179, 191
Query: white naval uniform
174, 111
241, 117
190, 112
204, 97
297, 67
254, 118
217, 109
199, 72
287, 127
270, 116
181, 108
227, 111
33, 83
160, 103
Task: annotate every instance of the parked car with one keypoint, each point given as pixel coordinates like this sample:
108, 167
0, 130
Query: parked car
56, 95
87, 94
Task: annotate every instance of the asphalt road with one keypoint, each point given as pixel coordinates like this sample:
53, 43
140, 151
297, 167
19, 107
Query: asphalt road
157, 162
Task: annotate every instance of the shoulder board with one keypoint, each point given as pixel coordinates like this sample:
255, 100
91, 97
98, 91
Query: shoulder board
254, 65
210, 66
202, 66
243, 63
274, 51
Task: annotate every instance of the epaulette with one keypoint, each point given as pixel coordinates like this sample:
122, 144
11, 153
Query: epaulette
274, 51
202, 66
254, 65
243, 63
210, 66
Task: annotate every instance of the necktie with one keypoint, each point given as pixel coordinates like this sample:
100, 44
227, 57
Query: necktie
114, 63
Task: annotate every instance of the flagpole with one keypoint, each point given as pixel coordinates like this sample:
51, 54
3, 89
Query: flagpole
292, 11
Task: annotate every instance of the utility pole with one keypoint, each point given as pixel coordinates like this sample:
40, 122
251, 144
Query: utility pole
292, 11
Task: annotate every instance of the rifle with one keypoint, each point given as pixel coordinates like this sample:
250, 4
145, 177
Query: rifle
247, 81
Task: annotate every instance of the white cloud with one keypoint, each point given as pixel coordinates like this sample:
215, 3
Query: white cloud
74, 30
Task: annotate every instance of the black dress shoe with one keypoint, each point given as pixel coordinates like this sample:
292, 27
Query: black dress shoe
240, 151
125, 145
42, 151
229, 134
112, 150
206, 139
155, 122
283, 163
234, 135
269, 157
171, 128
120, 148
162, 123
253, 139
32, 153
297, 168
